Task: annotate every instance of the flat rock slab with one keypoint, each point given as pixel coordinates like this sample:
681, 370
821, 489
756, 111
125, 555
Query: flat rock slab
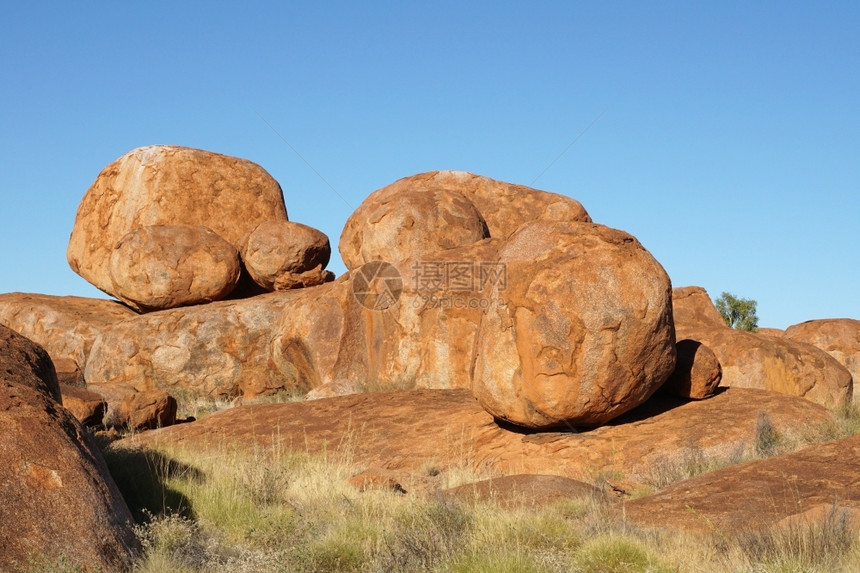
525, 490
411, 429
758, 493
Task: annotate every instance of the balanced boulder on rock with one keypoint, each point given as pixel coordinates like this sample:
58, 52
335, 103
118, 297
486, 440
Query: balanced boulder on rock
692, 308
278, 252
169, 185
582, 331
166, 266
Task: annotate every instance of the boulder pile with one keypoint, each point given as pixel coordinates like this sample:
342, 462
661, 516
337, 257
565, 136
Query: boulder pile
455, 281
501, 312
163, 226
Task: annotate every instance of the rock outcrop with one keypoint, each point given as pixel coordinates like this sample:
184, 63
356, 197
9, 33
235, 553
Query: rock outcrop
147, 411
65, 326
410, 430
755, 494
169, 185
697, 371
775, 332
220, 349
278, 249
58, 499
582, 331
838, 337
344, 337
776, 364
166, 266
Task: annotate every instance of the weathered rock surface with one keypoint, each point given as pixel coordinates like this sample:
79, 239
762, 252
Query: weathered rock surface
169, 185
527, 490
393, 226
58, 499
504, 206
65, 326
776, 364
166, 266
410, 430
697, 371
584, 332
24, 362
692, 308
87, 407
277, 248
838, 337
757, 493
218, 349
334, 339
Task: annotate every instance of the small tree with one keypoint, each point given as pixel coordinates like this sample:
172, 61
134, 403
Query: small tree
738, 312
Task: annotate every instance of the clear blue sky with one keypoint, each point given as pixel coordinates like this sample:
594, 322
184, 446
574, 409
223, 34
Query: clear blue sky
729, 142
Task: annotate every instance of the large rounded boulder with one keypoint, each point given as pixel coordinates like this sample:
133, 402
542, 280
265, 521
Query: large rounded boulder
580, 329
392, 227
169, 185
60, 505
166, 266
697, 372
278, 250
838, 337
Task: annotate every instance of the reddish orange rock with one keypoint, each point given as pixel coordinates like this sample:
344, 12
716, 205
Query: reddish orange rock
58, 498
275, 249
838, 337
169, 185
393, 226
219, 349
65, 326
776, 332
504, 206
776, 364
22, 361
758, 493
697, 371
409, 430
580, 333
148, 410
87, 407
692, 307
166, 266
